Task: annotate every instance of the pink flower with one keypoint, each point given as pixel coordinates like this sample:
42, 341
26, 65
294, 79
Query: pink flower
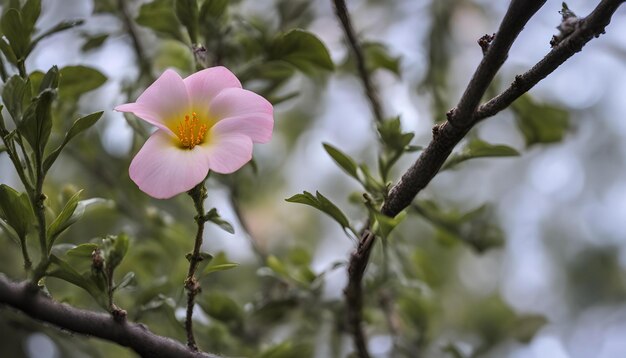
204, 122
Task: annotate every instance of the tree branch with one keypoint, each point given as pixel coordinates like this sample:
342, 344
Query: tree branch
446, 135
28, 299
342, 14
461, 119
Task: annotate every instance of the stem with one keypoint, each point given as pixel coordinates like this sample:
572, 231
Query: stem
144, 63
198, 194
342, 14
27, 263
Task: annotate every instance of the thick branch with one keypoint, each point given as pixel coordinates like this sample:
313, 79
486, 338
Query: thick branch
446, 136
342, 14
28, 299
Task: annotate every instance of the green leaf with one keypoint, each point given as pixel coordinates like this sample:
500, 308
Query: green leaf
302, 50
159, 16
16, 32
79, 126
30, 14
50, 80
16, 96
36, 124
64, 219
17, 210
219, 263
387, 224
221, 307
376, 57
61, 26
275, 265
64, 271
213, 10
83, 250
115, 248
78, 80
215, 218
392, 136
94, 42
187, 13
10, 232
320, 202
343, 160
477, 148
126, 281
8, 51
540, 123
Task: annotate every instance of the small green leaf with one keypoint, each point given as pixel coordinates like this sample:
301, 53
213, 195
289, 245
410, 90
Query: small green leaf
10, 232
159, 16
79, 126
30, 14
78, 80
64, 271
213, 10
219, 263
302, 50
343, 160
83, 250
36, 124
94, 42
387, 224
275, 265
320, 202
187, 13
50, 80
16, 96
392, 136
17, 210
477, 148
540, 123
376, 57
16, 32
126, 281
8, 51
63, 220
221, 307
215, 218
116, 250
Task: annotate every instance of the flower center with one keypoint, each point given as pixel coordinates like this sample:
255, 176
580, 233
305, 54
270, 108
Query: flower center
191, 131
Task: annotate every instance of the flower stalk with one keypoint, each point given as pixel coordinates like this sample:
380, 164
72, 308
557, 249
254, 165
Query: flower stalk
197, 194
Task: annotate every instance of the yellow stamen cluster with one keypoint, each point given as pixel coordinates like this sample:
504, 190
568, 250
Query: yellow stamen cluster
191, 132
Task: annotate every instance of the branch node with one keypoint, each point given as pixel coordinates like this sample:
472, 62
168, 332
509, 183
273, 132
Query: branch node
569, 24
485, 41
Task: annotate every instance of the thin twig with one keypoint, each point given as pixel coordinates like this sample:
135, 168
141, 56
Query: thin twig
342, 14
140, 53
198, 194
31, 301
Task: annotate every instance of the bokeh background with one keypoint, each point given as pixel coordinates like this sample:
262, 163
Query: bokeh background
537, 271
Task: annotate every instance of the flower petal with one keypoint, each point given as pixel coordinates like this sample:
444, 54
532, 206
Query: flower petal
143, 112
161, 169
227, 152
204, 85
234, 102
257, 126
165, 99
